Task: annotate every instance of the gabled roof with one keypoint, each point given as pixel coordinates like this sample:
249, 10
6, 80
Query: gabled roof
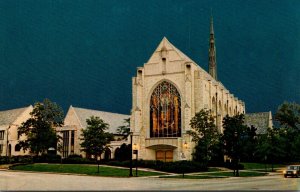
261, 121
113, 119
165, 44
10, 116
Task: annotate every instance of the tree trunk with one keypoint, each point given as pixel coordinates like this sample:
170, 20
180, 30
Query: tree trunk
98, 162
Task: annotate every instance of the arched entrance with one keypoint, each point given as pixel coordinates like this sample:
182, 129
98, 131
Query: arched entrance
107, 154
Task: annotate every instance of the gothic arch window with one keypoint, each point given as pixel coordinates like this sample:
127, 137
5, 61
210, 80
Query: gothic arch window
165, 111
107, 154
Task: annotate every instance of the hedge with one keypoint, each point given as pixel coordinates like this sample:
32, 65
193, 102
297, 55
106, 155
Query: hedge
16, 159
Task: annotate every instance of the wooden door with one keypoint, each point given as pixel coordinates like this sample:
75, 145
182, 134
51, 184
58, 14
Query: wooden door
165, 156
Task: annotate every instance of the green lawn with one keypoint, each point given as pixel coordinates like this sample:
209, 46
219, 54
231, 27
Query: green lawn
262, 167
213, 169
81, 169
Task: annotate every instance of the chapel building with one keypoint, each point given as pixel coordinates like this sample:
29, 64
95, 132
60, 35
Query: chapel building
167, 92
10, 121
75, 122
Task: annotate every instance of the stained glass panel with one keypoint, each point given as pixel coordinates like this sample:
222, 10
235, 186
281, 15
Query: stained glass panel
165, 111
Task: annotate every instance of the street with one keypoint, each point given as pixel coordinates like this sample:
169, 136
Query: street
13, 180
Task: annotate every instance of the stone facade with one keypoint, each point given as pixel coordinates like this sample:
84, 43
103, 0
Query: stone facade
10, 120
197, 90
75, 121
261, 121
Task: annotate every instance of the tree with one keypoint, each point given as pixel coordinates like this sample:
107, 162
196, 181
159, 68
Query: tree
95, 138
288, 115
124, 129
123, 153
40, 127
249, 144
271, 146
234, 132
204, 133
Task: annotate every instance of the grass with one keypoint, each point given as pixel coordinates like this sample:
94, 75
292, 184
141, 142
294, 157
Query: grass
261, 166
213, 169
82, 169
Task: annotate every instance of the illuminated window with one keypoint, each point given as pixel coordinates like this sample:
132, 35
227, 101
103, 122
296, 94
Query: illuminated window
65, 139
165, 111
72, 142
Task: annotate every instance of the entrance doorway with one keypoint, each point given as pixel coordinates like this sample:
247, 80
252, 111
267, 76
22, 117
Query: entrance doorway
107, 154
164, 155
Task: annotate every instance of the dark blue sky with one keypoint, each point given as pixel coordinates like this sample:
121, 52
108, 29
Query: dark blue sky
84, 52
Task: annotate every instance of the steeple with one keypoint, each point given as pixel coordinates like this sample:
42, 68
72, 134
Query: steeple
212, 61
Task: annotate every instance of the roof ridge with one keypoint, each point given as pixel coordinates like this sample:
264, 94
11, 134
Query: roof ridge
10, 116
99, 111
23, 108
78, 119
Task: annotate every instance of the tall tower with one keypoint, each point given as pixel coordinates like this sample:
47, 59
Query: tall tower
212, 61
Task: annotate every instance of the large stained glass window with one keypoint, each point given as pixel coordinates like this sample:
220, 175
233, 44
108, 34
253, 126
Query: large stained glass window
165, 111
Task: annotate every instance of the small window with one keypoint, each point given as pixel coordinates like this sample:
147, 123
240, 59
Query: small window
1, 148
17, 147
1, 135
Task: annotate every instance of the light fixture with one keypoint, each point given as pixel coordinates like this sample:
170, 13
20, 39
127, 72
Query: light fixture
185, 144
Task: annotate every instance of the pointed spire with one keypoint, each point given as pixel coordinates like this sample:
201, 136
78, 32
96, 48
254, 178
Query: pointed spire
212, 61
211, 24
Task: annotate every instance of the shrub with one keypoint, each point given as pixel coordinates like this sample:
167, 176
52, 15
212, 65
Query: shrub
3, 160
16, 159
117, 163
74, 156
77, 159
46, 158
123, 153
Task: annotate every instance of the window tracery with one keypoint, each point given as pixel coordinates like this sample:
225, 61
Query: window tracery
165, 111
